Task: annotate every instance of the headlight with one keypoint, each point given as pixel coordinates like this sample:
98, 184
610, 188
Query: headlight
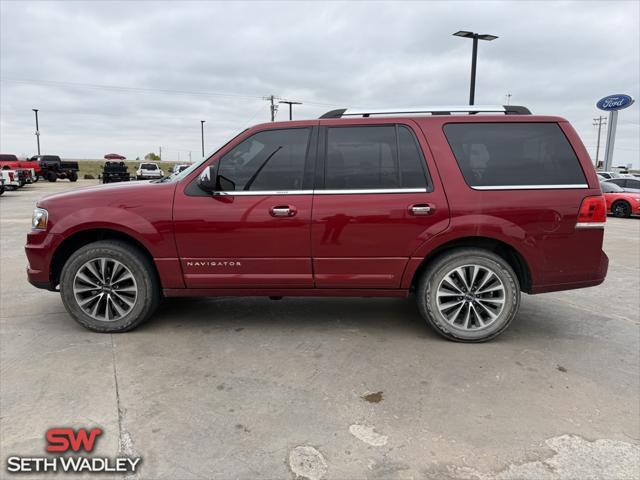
39, 219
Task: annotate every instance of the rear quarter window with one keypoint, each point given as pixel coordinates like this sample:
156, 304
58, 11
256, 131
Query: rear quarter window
520, 155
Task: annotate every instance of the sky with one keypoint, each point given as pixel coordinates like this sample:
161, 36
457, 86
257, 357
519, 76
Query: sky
130, 77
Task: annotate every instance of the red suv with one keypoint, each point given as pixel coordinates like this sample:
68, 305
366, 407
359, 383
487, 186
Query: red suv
465, 207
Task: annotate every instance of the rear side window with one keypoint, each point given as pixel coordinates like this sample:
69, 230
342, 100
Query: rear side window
492, 155
610, 187
373, 158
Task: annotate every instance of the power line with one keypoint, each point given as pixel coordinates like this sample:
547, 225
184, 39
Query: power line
126, 89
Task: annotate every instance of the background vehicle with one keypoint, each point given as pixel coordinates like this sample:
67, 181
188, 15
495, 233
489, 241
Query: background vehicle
628, 184
115, 172
11, 162
149, 170
114, 156
620, 203
52, 168
180, 168
465, 211
608, 175
10, 179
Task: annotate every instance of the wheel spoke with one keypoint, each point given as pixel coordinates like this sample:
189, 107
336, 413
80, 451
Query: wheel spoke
91, 267
461, 274
86, 279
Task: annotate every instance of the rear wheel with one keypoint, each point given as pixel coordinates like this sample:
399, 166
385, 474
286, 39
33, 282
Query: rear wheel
109, 286
73, 176
621, 209
469, 295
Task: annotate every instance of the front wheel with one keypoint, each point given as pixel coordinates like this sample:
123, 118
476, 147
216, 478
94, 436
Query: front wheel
52, 176
109, 286
469, 295
621, 209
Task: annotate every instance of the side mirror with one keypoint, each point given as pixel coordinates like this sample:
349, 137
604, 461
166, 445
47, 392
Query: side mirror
224, 184
207, 180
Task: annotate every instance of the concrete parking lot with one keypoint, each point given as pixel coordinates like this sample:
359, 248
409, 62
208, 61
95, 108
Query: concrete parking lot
251, 388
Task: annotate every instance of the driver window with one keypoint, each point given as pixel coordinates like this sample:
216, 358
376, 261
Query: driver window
269, 160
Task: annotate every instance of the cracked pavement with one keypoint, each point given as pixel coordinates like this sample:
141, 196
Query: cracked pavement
253, 388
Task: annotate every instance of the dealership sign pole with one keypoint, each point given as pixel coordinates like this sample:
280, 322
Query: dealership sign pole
611, 104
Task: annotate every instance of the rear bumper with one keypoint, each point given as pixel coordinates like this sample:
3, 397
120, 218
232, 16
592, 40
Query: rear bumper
39, 249
598, 277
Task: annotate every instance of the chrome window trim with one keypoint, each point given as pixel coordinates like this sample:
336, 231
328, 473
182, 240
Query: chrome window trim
531, 187
370, 191
590, 224
323, 192
248, 193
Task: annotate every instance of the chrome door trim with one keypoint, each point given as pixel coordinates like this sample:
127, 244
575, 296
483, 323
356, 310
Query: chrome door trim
531, 187
323, 192
370, 191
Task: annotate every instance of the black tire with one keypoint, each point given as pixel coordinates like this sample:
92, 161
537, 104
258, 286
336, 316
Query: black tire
52, 176
433, 279
142, 270
35, 178
1, 189
621, 209
73, 177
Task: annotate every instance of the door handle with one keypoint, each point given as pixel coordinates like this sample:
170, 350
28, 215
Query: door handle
282, 211
421, 209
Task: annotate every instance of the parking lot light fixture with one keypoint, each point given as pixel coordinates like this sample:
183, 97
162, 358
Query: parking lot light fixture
474, 56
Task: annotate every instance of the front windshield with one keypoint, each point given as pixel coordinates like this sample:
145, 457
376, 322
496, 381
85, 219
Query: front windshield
194, 166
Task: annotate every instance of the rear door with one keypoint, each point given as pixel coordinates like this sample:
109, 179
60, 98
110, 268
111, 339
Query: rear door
375, 202
256, 234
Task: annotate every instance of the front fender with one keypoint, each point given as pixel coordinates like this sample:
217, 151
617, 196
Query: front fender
155, 236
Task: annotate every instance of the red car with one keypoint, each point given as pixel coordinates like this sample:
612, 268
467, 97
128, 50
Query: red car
464, 210
9, 161
620, 203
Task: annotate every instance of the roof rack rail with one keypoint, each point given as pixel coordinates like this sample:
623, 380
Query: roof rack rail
441, 110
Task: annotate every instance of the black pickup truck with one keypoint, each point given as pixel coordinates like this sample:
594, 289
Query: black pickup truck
53, 168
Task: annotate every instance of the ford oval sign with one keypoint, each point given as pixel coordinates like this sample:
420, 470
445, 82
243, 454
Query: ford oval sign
615, 102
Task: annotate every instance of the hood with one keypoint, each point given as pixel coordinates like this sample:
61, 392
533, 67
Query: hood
112, 193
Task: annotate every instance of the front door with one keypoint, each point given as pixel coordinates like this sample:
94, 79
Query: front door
255, 233
375, 203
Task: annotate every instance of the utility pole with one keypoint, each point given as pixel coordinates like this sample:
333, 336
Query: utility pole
202, 135
598, 122
37, 129
273, 108
508, 98
290, 103
189, 156
160, 152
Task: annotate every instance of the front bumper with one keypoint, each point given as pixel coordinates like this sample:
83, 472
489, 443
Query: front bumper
39, 249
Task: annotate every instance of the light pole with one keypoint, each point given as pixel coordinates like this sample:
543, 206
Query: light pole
474, 57
37, 129
290, 107
202, 135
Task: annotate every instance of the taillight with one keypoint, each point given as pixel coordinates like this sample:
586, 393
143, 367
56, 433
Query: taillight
593, 212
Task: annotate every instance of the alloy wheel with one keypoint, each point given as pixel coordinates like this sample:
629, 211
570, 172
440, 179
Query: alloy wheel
471, 297
105, 289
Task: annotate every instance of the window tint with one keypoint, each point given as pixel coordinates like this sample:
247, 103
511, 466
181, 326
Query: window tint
270, 160
632, 183
375, 157
518, 154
